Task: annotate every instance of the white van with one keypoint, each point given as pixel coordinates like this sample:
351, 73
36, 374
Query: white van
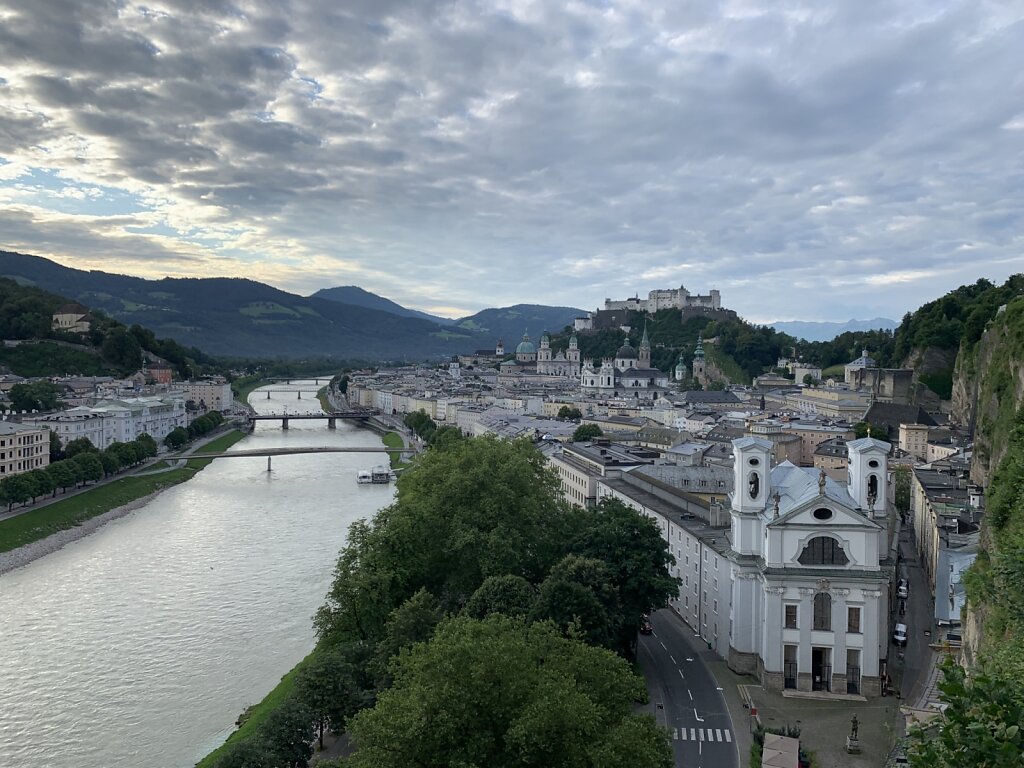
899, 634
903, 589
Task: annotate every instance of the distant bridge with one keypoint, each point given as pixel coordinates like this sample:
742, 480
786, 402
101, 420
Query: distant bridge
360, 414
299, 392
270, 452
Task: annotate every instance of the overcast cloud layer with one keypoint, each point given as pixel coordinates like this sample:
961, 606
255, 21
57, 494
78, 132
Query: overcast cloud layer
811, 160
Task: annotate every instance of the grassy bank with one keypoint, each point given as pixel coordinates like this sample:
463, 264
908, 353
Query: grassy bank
244, 385
321, 395
394, 440
67, 513
256, 714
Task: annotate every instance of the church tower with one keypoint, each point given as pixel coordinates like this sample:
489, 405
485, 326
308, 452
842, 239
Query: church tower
680, 372
544, 354
499, 350
700, 371
751, 475
644, 358
573, 356
868, 473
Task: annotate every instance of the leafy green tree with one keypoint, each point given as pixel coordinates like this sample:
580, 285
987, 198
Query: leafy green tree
56, 453
411, 622
631, 545
41, 483
445, 437
17, 489
176, 438
579, 593
509, 594
79, 445
288, 733
63, 474
148, 444
111, 464
500, 693
568, 412
90, 465
35, 396
122, 350
247, 753
329, 685
808, 380
981, 725
586, 432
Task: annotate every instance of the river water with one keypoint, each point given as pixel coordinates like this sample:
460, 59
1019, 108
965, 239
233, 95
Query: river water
141, 643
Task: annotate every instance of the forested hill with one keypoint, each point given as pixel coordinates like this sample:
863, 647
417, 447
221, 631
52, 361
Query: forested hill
359, 297
34, 349
243, 318
510, 323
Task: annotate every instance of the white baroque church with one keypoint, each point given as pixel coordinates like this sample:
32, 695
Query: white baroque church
811, 571
628, 375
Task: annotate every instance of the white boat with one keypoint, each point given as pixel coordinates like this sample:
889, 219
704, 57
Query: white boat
380, 474
364, 476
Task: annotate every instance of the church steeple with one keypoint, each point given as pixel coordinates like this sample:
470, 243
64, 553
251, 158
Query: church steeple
644, 359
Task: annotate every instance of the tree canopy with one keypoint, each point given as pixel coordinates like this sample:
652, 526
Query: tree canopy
500, 692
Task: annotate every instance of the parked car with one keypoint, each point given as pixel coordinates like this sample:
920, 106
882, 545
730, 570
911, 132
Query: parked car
646, 628
899, 634
903, 589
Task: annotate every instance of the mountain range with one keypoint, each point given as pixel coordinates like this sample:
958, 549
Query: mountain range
823, 331
241, 318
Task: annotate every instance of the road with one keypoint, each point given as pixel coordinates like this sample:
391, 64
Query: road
686, 697
914, 662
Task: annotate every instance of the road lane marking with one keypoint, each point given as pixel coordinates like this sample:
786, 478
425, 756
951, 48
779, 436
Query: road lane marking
718, 734
691, 693
672, 657
693, 736
699, 718
680, 673
662, 645
688, 658
700, 734
675, 734
727, 736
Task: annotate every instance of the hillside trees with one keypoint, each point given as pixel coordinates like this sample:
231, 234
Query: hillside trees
500, 692
35, 396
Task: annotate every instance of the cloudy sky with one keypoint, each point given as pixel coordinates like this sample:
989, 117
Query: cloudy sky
811, 160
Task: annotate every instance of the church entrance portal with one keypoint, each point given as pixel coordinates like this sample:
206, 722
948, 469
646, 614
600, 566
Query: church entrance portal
821, 669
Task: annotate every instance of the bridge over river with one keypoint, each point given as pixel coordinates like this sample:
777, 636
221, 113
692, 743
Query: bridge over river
271, 452
357, 414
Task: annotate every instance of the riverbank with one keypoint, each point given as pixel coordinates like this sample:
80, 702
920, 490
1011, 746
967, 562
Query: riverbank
49, 528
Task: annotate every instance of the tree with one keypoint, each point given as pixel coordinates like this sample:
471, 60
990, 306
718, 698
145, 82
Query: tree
288, 733
122, 349
500, 693
981, 725
445, 437
111, 464
902, 489
579, 594
631, 545
148, 444
41, 483
586, 432
329, 686
509, 594
17, 489
567, 412
56, 454
63, 474
176, 438
90, 466
411, 622
35, 396
79, 445
808, 380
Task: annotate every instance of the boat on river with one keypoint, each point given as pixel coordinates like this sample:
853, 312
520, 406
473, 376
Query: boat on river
379, 475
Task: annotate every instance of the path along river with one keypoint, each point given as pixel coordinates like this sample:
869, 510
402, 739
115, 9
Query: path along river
140, 644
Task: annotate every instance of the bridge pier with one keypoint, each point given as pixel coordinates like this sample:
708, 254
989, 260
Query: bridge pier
332, 424
300, 394
268, 463
268, 394
284, 423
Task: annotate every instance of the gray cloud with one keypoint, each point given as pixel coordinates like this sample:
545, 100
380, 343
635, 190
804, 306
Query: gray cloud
810, 160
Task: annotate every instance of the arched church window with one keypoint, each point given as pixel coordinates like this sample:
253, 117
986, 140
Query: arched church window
873, 486
823, 550
753, 484
823, 611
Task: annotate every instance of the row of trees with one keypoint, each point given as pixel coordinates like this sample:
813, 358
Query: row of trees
203, 425
427, 430
84, 463
485, 621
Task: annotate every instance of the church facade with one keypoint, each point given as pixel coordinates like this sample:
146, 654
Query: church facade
628, 375
810, 571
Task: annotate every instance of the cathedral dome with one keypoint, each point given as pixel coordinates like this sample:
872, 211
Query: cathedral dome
626, 352
526, 347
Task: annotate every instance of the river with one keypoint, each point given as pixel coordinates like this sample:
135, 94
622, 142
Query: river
141, 643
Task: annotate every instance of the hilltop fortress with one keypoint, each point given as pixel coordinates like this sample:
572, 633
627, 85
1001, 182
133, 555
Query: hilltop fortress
667, 298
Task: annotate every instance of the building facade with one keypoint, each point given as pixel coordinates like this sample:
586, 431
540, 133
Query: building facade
23, 448
811, 571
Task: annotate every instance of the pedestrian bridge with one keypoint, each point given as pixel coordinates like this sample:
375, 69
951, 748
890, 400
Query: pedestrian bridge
271, 452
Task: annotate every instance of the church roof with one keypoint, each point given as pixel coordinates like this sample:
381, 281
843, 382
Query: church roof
626, 352
526, 347
798, 485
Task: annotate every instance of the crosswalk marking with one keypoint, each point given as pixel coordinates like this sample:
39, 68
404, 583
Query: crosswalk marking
702, 734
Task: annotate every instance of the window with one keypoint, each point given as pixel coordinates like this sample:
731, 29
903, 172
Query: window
823, 611
853, 620
823, 550
716, 606
790, 617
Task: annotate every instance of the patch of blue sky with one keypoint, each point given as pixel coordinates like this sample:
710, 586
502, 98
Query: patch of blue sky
155, 229
47, 189
315, 89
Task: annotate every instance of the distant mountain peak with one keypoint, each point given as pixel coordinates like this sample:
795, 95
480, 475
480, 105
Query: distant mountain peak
810, 330
360, 297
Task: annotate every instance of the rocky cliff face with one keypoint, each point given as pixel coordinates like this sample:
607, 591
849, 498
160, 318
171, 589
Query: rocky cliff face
988, 387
